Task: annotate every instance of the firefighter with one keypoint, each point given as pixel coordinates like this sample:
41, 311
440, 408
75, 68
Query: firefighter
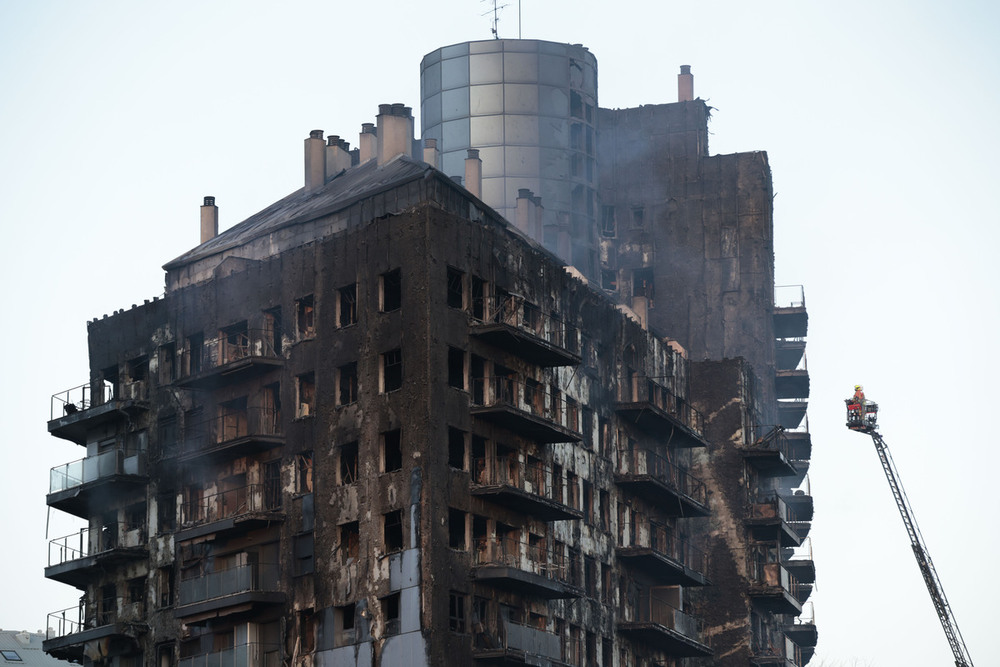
859, 394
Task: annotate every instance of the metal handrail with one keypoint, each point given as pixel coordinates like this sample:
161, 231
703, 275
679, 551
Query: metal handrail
95, 541
253, 654
661, 539
228, 426
536, 558
530, 476
228, 348
790, 299
84, 616
648, 462
653, 609
230, 503
259, 577
80, 398
515, 311
643, 389
522, 394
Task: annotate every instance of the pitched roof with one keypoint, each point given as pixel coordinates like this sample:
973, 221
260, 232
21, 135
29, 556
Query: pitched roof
28, 647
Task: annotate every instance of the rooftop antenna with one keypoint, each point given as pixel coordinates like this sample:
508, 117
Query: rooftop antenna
496, 17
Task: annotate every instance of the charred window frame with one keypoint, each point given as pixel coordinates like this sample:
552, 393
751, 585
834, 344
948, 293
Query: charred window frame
307, 623
609, 280
642, 283
272, 330
456, 448
350, 541
304, 473
303, 547
305, 317
392, 370
391, 291
168, 362
390, 614
305, 389
349, 463
343, 620
347, 305
638, 217
456, 368
457, 529
195, 346
392, 450
165, 586
456, 288
609, 227
347, 383
456, 612
166, 513
392, 531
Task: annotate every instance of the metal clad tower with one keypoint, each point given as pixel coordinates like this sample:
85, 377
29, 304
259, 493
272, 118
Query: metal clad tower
530, 108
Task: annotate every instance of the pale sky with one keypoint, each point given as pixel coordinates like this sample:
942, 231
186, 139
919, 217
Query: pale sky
879, 119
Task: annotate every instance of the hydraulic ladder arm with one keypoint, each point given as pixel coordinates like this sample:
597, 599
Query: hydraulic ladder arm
862, 416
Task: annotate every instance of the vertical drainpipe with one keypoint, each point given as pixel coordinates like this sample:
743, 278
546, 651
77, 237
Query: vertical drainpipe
685, 84
315, 161
474, 173
367, 142
209, 219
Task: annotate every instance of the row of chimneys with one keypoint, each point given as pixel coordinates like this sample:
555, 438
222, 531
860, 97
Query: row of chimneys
392, 135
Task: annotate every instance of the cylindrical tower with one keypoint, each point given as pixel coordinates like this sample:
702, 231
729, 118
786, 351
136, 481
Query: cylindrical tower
530, 108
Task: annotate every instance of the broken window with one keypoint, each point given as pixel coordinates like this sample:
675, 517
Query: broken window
302, 548
347, 383
390, 614
642, 283
305, 387
609, 280
392, 451
391, 297
456, 529
638, 217
166, 512
234, 343
305, 317
456, 368
605, 510
350, 539
343, 620
195, 347
304, 472
572, 414
456, 612
478, 297
135, 517
456, 288
456, 448
307, 631
272, 332
271, 417
392, 370
588, 502
575, 104
590, 577
168, 357
392, 531
349, 463
231, 420
347, 305
165, 586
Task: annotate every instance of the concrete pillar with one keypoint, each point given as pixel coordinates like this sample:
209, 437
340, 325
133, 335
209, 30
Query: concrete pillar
474, 173
338, 155
315, 161
395, 131
685, 84
431, 152
367, 142
209, 219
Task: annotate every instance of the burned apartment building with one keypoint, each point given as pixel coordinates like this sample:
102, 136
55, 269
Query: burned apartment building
395, 420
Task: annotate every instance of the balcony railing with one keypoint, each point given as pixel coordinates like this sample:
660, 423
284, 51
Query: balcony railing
527, 486
770, 579
520, 642
653, 403
231, 503
657, 622
86, 617
244, 655
94, 542
514, 324
662, 540
73, 411
635, 465
250, 578
527, 407
232, 351
230, 427
93, 468
529, 557
80, 399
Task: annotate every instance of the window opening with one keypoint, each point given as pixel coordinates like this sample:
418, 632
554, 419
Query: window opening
347, 305
390, 613
306, 388
392, 451
456, 291
392, 291
392, 531
456, 529
304, 472
348, 374
456, 612
392, 370
456, 368
456, 448
349, 463
305, 317
350, 539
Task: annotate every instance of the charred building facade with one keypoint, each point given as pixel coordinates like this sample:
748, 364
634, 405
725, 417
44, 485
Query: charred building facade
377, 423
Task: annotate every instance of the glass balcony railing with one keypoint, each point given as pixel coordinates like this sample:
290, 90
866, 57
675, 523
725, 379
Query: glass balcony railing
244, 655
250, 578
93, 468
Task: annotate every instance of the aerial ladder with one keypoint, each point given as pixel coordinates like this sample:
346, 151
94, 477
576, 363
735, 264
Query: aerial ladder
862, 416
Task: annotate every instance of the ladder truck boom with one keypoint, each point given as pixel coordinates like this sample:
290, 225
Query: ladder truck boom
862, 416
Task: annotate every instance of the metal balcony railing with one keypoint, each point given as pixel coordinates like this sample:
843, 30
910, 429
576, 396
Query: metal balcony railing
84, 617
83, 397
661, 539
253, 577
93, 542
244, 655
528, 557
771, 506
642, 389
524, 395
648, 462
229, 347
93, 468
229, 426
516, 312
765, 571
231, 503
653, 609
774, 440
529, 476
789, 296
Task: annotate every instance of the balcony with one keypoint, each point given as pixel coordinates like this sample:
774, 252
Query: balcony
792, 383
75, 411
238, 588
74, 559
799, 562
672, 489
232, 433
770, 454
772, 587
93, 481
243, 508
770, 646
800, 451
521, 328
804, 633
523, 407
791, 412
244, 655
770, 518
237, 354
529, 568
790, 317
117, 621
658, 411
517, 644
666, 558
657, 623
789, 352
524, 486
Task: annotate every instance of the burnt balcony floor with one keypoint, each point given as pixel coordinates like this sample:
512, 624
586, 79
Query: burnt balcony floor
788, 353
229, 525
79, 499
774, 599
524, 423
661, 567
74, 426
656, 421
525, 582
802, 569
790, 322
81, 571
71, 647
792, 412
665, 639
229, 449
519, 500
768, 462
803, 634
524, 344
232, 371
667, 497
771, 528
791, 384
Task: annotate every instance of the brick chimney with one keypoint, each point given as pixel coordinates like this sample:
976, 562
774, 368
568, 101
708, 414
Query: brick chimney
209, 220
474, 173
685, 84
315, 161
367, 142
395, 131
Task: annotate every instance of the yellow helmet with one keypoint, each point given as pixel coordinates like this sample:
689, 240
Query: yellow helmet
857, 387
